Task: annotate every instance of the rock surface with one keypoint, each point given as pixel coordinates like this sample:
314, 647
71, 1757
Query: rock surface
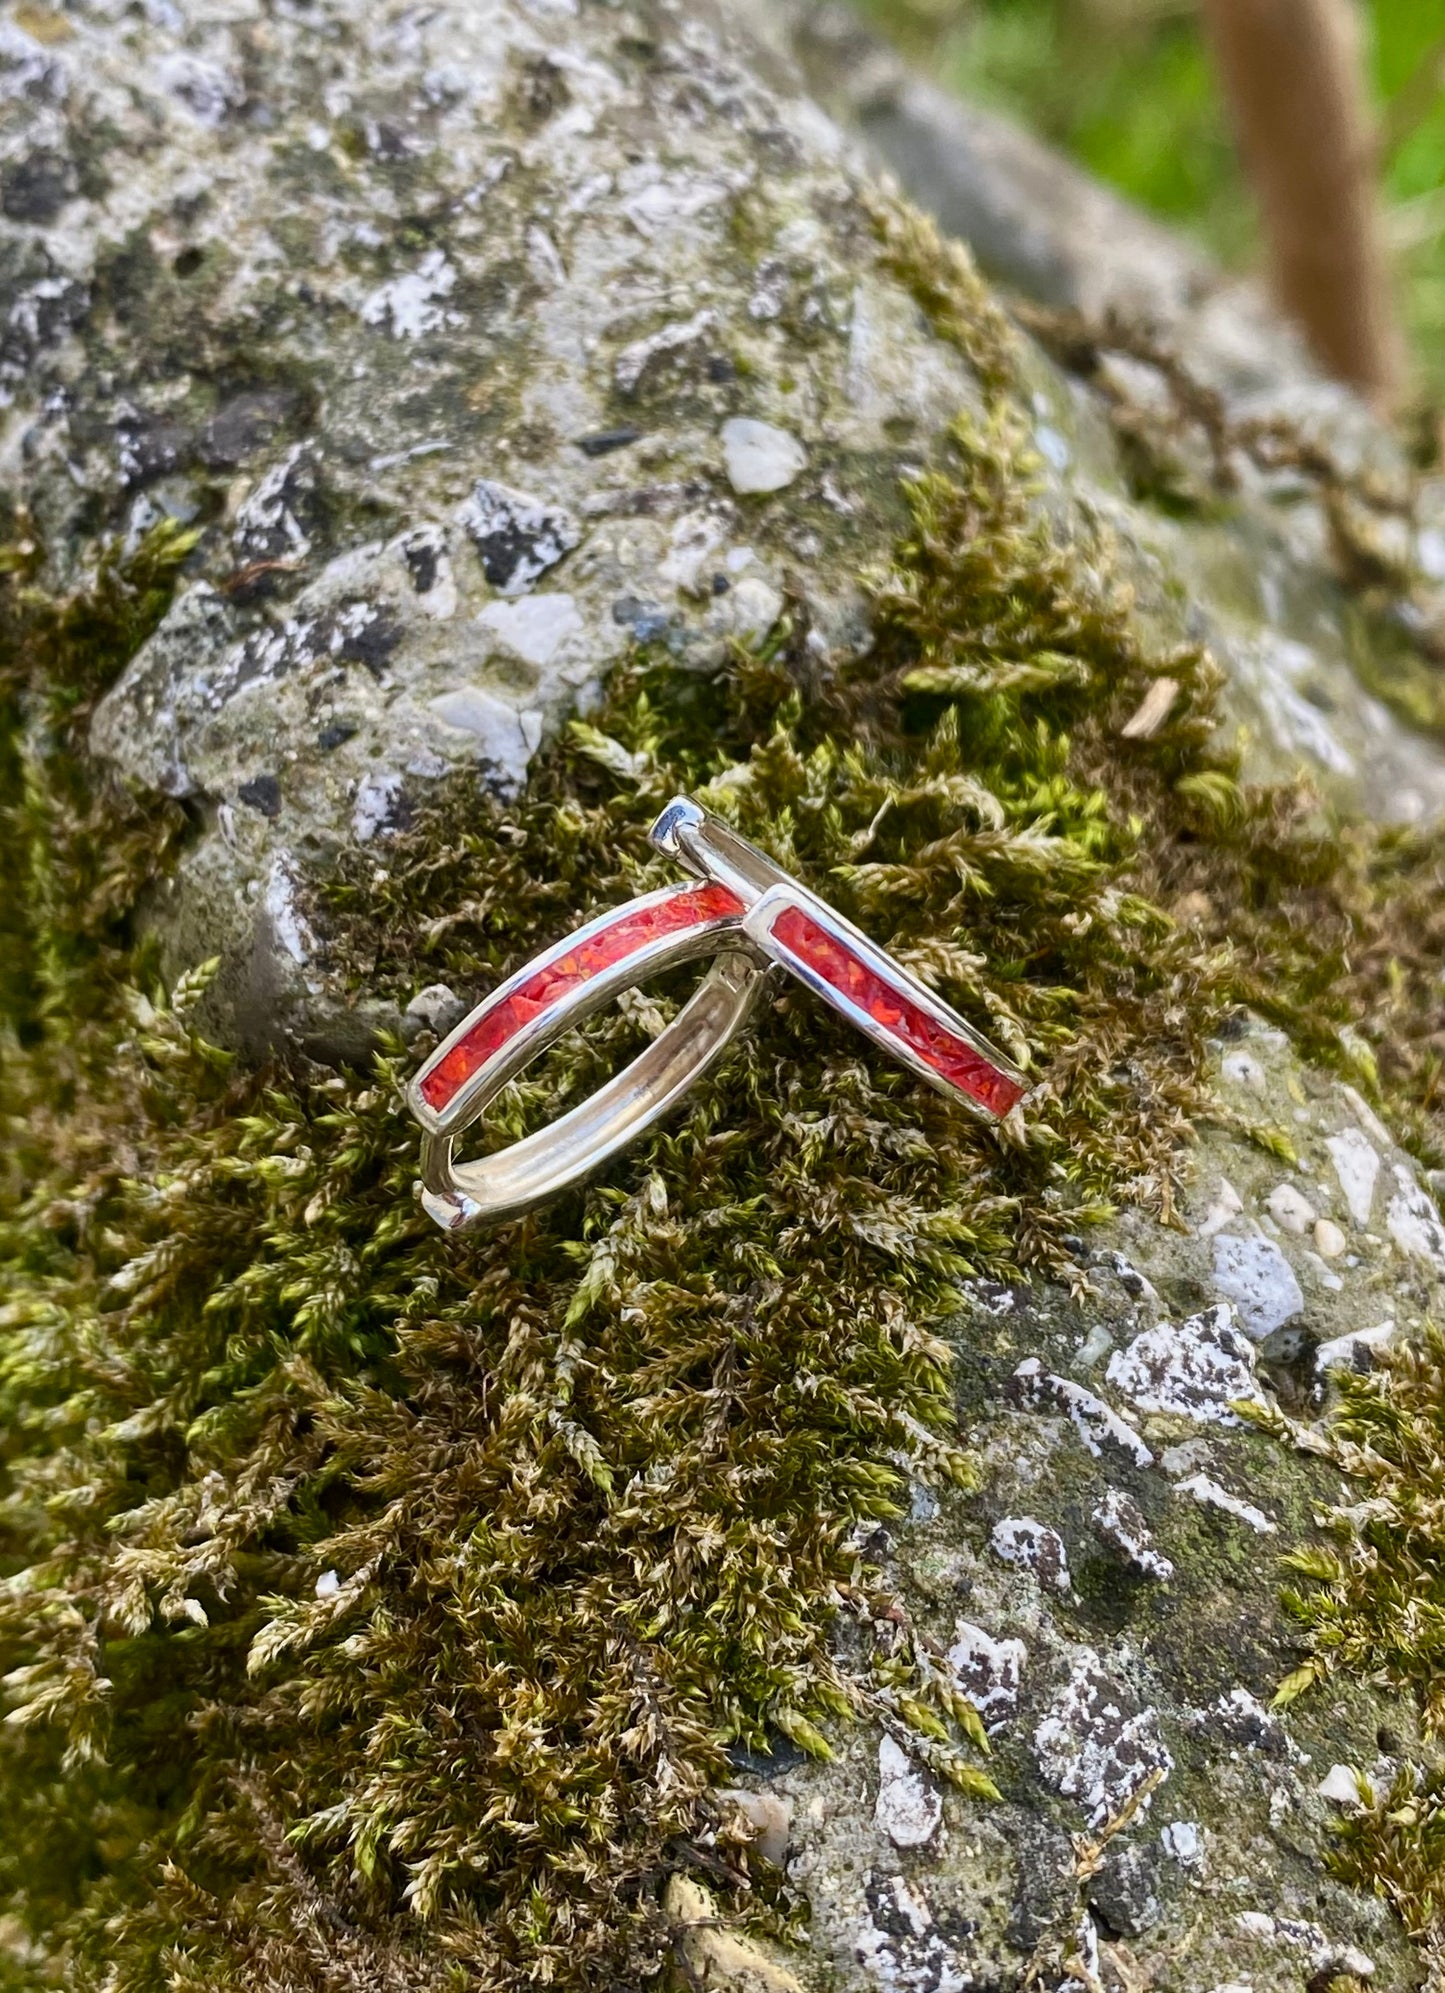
473, 375
481, 344
1137, 1704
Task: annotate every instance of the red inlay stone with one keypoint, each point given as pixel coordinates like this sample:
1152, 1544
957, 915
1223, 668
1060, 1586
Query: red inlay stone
691, 907
950, 1056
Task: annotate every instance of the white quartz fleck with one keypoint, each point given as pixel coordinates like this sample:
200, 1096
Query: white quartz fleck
665, 202
1052, 446
1198, 1367
209, 90
376, 800
1227, 1204
759, 457
1290, 1208
1211, 1495
645, 355
292, 929
1357, 1164
438, 1006
769, 1815
1097, 1745
518, 536
1119, 1521
1243, 1070
988, 1671
1414, 1223
908, 1808
1341, 1786
497, 731
1351, 1961
1332, 1281
1373, 1126
1097, 1424
694, 538
534, 628
1093, 1349
750, 608
1243, 1719
1034, 1547
1330, 1241
543, 259
1352, 1352
1183, 1842
1254, 1274
1188, 1457
409, 306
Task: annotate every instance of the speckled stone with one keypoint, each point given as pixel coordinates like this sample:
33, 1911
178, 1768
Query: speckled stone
476, 467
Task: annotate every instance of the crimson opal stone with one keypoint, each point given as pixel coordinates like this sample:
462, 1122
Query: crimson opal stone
950, 1056
632, 929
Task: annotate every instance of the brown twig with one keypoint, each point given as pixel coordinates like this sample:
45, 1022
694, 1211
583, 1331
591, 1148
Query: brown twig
1295, 83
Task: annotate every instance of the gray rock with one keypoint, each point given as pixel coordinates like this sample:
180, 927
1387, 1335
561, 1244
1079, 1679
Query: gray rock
1125, 1892
1047, 227
426, 506
437, 1007
1097, 1745
1095, 1694
1060, 238
438, 468
1198, 1368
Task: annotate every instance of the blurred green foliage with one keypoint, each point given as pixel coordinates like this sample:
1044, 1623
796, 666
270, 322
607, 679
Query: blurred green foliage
1127, 87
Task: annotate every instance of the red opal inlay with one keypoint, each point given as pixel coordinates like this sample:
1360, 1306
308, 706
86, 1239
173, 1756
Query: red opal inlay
950, 1056
691, 907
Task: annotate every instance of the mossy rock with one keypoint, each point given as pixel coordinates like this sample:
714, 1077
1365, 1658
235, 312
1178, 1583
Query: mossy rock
1151, 1797
388, 1608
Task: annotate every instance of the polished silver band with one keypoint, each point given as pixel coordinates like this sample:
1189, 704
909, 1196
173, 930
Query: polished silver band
515, 1179
749, 915
941, 1041
518, 1178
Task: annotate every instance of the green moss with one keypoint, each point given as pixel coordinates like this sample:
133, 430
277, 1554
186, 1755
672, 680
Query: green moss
942, 277
74, 850
588, 1486
1376, 1600
1396, 1847
1410, 682
1372, 1603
